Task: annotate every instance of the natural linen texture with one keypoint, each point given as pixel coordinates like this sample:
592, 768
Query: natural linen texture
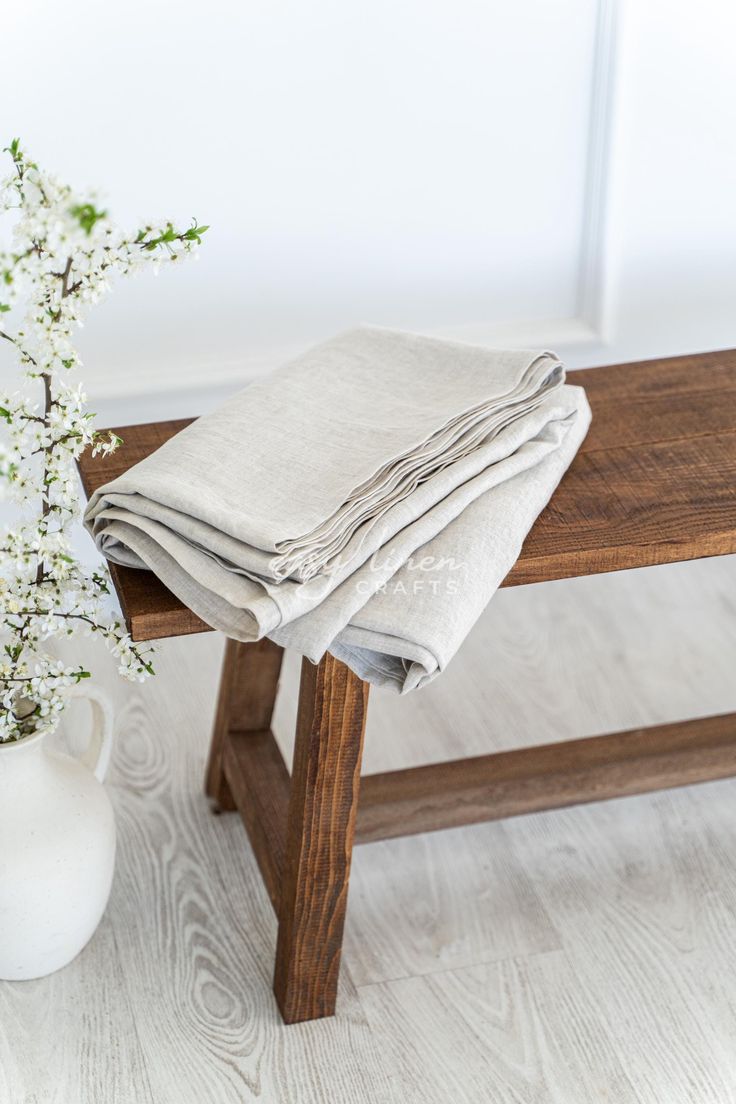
367, 498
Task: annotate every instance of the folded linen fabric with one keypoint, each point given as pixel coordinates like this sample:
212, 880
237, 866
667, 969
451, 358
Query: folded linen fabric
367, 498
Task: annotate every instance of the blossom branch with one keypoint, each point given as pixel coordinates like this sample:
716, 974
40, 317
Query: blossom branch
64, 251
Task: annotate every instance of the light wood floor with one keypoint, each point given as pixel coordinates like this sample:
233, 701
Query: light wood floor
577, 956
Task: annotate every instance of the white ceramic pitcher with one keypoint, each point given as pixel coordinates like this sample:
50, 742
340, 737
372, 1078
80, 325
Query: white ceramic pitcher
57, 846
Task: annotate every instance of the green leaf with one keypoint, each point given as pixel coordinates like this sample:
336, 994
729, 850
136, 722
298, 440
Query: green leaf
87, 215
13, 149
194, 233
5, 414
4, 308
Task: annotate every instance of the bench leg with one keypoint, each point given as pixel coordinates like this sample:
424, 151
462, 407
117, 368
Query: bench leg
248, 685
321, 822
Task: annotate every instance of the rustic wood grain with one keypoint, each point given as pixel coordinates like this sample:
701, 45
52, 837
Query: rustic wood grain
637, 506
466, 791
248, 686
322, 807
258, 779
654, 482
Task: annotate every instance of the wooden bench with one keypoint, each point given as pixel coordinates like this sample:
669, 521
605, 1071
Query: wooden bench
654, 482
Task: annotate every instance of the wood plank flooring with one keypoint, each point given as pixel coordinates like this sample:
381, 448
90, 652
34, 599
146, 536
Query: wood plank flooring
570, 957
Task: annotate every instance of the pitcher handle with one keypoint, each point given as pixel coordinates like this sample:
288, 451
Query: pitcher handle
99, 749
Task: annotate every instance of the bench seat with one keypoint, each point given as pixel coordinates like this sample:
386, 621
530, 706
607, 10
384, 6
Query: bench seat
654, 482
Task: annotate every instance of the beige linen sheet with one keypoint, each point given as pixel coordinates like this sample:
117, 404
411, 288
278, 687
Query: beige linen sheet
365, 499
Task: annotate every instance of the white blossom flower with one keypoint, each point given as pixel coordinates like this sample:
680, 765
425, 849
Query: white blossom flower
63, 251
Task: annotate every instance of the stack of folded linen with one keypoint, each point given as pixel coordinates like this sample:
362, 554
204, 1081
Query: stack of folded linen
366, 499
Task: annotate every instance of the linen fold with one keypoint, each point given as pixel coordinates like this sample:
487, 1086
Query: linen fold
366, 499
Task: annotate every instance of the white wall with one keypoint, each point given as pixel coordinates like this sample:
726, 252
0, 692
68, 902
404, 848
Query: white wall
560, 173
671, 265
